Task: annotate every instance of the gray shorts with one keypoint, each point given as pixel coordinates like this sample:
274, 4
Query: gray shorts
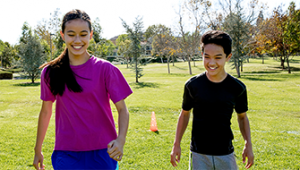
211, 162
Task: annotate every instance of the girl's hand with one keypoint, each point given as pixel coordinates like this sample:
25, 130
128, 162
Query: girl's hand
38, 159
115, 150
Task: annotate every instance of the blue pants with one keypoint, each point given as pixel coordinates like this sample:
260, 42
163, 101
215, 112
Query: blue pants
96, 159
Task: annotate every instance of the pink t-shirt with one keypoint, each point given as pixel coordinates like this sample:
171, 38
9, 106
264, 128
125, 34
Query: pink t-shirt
84, 120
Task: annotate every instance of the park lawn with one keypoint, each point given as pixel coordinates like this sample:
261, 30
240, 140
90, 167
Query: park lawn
274, 114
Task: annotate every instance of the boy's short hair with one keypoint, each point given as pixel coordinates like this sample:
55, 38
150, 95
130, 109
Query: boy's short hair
219, 38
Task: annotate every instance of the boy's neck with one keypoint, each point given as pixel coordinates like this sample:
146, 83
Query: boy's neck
217, 78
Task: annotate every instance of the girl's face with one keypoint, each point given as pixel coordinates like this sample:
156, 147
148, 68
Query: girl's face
77, 36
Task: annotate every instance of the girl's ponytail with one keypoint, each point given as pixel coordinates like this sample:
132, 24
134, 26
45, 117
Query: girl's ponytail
59, 74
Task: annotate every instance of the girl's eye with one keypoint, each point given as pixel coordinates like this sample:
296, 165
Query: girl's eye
218, 58
71, 35
83, 35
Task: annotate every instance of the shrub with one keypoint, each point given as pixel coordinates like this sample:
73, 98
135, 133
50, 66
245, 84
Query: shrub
6, 75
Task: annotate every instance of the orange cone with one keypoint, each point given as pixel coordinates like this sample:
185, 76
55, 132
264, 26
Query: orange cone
153, 125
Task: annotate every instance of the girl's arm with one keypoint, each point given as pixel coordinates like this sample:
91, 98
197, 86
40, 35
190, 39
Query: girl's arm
44, 118
115, 147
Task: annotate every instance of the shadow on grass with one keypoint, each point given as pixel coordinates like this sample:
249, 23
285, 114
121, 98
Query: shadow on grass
294, 61
292, 68
180, 68
262, 78
144, 85
263, 72
27, 84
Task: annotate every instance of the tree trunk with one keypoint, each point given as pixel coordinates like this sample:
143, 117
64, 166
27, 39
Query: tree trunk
32, 79
127, 61
282, 62
162, 61
288, 64
136, 71
237, 67
189, 62
263, 62
194, 63
241, 66
248, 58
173, 60
168, 65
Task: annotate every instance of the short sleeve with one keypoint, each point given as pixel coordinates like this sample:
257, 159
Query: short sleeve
116, 85
187, 103
241, 104
46, 94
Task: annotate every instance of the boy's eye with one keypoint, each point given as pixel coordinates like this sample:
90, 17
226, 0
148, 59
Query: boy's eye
83, 35
70, 35
218, 58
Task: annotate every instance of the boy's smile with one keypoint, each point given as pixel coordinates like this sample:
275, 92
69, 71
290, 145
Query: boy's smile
214, 60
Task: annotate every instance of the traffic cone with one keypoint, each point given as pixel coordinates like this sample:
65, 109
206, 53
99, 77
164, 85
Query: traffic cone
153, 125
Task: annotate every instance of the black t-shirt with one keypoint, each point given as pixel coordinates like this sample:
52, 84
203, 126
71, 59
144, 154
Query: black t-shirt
213, 105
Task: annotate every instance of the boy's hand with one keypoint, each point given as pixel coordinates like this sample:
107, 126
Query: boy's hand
247, 152
38, 159
175, 155
115, 150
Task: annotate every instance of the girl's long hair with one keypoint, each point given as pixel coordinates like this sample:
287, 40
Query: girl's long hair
59, 73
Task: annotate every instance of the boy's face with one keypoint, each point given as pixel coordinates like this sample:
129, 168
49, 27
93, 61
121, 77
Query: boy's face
214, 60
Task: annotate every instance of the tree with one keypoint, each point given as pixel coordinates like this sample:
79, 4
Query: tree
123, 44
135, 35
55, 21
31, 57
164, 44
97, 30
2, 46
189, 42
154, 30
291, 33
238, 24
54, 25
7, 55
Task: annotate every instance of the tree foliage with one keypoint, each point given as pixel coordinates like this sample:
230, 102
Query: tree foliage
26, 32
97, 30
102, 49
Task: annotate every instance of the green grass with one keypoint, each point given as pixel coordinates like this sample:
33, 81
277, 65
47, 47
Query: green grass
274, 113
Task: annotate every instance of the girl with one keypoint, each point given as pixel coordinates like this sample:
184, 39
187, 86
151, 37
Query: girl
82, 86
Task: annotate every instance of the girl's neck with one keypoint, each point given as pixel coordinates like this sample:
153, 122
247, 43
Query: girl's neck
78, 60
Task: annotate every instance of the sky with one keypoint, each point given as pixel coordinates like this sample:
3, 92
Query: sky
15, 12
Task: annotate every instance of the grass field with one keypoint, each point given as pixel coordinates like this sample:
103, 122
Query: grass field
274, 113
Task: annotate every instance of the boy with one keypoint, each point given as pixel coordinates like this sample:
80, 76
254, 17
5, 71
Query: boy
213, 95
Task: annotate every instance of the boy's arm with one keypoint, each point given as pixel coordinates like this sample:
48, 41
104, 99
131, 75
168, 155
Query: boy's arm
115, 147
43, 122
245, 130
183, 121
